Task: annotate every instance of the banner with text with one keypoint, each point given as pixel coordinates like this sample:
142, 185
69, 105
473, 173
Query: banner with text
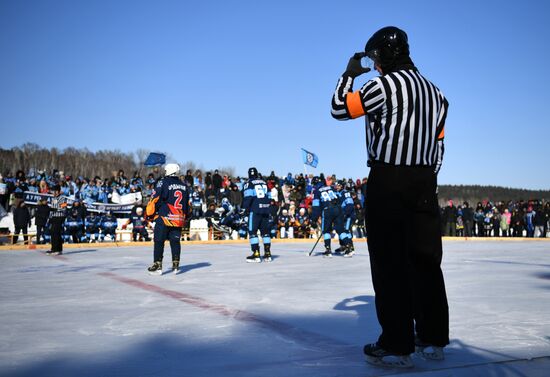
32, 198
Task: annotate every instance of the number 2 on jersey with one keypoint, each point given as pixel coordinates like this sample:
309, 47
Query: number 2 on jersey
178, 194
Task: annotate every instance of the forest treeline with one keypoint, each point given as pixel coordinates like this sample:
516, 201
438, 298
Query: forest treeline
106, 163
475, 193
82, 162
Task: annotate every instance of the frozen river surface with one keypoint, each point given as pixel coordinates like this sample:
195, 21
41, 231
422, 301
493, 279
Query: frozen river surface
96, 312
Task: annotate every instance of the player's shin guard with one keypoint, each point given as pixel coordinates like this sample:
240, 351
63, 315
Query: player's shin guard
326, 237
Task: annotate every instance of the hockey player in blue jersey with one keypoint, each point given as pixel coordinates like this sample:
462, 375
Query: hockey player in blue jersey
74, 228
345, 221
325, 205
257, 203
91, 224
108, 225
196, 204
227, 213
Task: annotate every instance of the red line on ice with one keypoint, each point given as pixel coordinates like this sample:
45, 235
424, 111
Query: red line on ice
303, 336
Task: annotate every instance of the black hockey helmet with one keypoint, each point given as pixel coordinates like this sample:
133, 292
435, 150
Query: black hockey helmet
388, 46
252, 173
315, 181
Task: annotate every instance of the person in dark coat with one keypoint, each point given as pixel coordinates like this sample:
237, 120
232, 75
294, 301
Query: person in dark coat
217, 180
235, 197
41, 219
449, 219
21, 221
79, 211
468, 218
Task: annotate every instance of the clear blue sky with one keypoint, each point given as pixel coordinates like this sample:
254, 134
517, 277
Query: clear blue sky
241, 83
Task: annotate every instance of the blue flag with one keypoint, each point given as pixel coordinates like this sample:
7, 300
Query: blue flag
155, 159
309, 158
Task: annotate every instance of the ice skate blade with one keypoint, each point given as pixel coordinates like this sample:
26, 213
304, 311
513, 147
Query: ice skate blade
255, 260
390, 361
430, 352
268, 259
155, 273
327, 255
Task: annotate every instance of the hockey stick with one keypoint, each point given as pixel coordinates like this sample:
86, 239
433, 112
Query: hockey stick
316, 242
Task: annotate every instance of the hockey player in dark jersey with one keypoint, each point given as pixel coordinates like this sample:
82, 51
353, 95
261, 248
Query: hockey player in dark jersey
168, 206
346, 220
257, 202
73, 228
325, 206
139, 225
108, 225
92, 227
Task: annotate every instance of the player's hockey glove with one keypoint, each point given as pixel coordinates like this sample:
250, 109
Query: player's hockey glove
354, 67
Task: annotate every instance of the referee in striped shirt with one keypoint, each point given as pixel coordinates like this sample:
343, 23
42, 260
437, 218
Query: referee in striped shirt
58, 213
405, 118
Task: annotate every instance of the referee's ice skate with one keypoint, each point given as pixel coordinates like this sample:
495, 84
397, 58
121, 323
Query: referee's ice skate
376, 355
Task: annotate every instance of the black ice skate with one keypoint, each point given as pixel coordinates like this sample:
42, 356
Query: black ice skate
327, 253
376, 355
267, 253
155, 269
339, 251
254, 258
349, 252
175, 266
428, 351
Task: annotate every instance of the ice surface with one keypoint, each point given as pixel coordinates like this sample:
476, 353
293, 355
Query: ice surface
96, 312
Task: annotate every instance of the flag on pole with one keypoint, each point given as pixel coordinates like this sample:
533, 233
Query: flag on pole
309, 158
155, 159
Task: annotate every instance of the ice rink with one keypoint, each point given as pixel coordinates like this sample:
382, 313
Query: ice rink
96, 312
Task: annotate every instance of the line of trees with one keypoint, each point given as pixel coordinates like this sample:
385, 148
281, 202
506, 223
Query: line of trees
83, 162
476, 193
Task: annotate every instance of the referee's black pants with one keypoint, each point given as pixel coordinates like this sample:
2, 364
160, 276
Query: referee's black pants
404, 241
56, 233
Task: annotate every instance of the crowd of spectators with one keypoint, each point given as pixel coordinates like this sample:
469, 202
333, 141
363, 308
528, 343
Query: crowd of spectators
291, 199
501, 219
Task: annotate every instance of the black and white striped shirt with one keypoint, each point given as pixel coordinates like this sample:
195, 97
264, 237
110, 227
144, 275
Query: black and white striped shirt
58, 207
405, 117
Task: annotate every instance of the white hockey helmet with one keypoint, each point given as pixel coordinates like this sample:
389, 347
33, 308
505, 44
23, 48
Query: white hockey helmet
172, 169
139, 211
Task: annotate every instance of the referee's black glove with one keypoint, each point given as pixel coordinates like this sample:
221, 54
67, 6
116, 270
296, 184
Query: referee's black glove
354, 67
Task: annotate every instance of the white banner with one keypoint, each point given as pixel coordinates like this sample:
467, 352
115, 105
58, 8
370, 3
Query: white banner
132, 198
